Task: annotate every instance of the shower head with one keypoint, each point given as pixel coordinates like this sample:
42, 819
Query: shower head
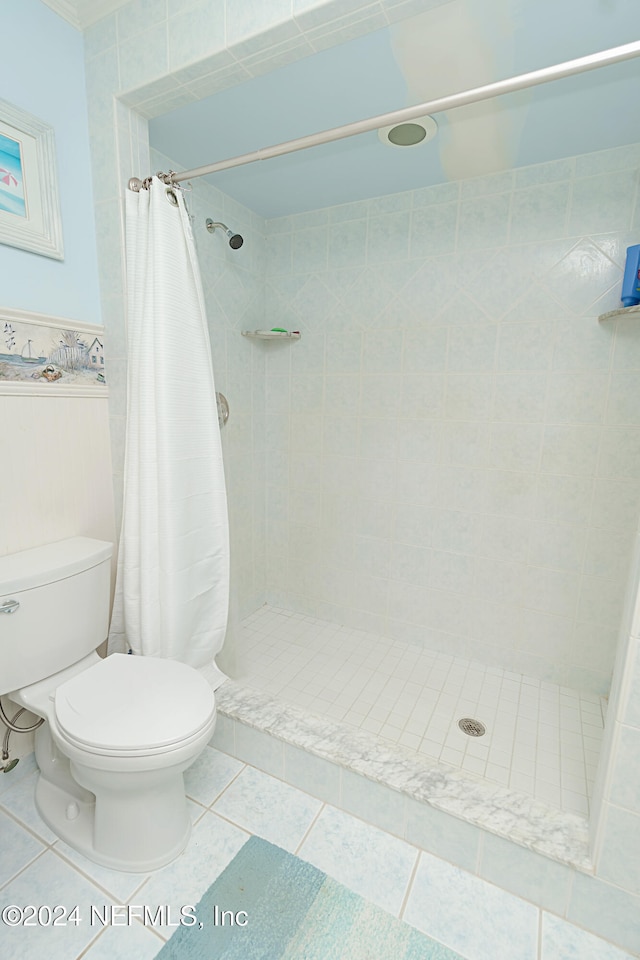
235, 240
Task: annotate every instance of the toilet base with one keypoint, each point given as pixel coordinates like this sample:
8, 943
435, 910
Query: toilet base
129, 814
73, 821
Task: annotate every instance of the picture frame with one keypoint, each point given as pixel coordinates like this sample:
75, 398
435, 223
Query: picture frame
29, 202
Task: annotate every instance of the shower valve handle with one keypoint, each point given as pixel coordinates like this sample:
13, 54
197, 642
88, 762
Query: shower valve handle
9, 606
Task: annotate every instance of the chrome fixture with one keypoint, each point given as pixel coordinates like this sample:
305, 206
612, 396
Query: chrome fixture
9, 606
473, 728
235, 240
223, 409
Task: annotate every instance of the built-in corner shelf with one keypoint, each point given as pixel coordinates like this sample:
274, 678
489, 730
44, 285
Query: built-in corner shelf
621, 312
271, 335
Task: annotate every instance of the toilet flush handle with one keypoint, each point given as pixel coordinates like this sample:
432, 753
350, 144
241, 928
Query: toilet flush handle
9, 606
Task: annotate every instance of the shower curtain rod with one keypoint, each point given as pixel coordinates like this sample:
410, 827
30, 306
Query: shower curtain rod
591, 62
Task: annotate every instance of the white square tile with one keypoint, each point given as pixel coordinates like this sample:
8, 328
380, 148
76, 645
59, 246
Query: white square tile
214, 843
50, 881
470, 915
527, 874
483, 222
497, 774
362, 857
19, 800
26, 766
539, 212
119, 884
123, 942
19, 847
549, 793
618, 861
564, 941
255, 802
210, 774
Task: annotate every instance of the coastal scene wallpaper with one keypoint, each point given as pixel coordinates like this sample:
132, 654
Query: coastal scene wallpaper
47, 353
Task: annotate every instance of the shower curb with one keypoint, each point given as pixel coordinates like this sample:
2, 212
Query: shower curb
558, 835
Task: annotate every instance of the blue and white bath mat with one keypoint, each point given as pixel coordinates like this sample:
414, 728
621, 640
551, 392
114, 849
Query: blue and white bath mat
270, 905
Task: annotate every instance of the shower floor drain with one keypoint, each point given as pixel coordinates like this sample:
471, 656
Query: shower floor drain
473, 728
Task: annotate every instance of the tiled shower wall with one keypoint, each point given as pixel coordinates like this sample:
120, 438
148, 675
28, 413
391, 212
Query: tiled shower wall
451, 451
453, 447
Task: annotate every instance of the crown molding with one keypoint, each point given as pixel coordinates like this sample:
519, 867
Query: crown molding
84, 13
66, 9
90, 11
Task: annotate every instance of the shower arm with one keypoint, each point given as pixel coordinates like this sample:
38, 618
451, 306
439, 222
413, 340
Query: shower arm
487, 92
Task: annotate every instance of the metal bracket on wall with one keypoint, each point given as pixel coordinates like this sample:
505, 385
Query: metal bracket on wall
223, 409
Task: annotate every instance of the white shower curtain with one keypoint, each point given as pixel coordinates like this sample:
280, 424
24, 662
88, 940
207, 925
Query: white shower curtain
172, 585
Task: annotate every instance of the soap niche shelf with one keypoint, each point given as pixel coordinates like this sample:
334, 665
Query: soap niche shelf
270, 335
621, 312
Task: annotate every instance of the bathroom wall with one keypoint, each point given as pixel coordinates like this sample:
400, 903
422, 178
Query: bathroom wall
56, 462
55, 480
42, 72
452, 446
56, 449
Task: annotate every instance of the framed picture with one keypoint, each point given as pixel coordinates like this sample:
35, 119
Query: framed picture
29, 204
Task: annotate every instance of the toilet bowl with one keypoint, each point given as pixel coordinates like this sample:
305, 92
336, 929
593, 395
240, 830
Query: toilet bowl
119, 732
124, 729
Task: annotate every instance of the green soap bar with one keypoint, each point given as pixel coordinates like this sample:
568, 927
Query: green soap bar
278, 330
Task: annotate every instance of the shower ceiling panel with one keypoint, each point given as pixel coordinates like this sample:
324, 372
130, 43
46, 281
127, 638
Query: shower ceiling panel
455, 46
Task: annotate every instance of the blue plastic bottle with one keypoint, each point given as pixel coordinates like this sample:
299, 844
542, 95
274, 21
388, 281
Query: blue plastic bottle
630, 295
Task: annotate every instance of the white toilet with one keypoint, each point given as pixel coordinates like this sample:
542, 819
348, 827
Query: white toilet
118, 732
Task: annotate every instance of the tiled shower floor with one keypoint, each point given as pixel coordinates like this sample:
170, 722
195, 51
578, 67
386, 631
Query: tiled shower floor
541, 739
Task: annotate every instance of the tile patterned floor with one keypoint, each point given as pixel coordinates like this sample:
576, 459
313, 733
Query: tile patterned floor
229, 801
541, 739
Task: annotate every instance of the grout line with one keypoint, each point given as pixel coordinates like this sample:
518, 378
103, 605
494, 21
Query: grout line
234, 823
92, 880
91, 944
198, 804
539, 944
47, 844
564, 912
407, 893
226, 787
25, 867
480, 855
312, 824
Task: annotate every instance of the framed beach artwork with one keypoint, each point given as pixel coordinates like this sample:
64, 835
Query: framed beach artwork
50, 356
29, 202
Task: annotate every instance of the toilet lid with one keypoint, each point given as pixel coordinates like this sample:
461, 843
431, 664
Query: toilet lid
131, 704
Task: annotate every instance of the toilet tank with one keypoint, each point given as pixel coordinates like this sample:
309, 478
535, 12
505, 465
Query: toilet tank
54, 608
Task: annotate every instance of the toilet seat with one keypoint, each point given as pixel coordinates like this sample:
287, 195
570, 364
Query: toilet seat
133, 706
